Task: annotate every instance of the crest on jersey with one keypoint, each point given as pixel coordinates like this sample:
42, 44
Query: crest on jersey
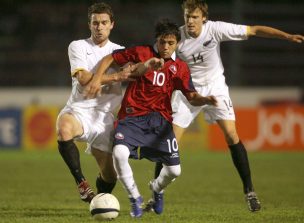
129, 110
173, 69
119, 135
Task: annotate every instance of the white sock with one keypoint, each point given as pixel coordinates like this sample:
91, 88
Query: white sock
166, 176
123, 169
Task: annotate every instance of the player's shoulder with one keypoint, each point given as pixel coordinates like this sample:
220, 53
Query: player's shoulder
81, 43
114, 46
181, 64
147, 48
217, 25
146, 51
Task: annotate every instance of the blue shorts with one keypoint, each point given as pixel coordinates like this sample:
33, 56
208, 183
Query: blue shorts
149, 136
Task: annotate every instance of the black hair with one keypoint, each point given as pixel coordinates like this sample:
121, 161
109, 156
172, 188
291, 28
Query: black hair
100, 7
166, 27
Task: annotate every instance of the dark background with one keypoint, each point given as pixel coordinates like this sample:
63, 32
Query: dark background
34, 36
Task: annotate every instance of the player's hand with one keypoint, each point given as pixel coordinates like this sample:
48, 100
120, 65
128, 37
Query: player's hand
92, 89
211, 100
155, 63
296, 38
126, 73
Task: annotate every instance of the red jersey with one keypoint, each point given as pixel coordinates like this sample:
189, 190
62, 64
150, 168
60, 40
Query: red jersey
152, 92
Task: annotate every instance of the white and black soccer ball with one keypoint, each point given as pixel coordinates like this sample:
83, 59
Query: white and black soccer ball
104, 207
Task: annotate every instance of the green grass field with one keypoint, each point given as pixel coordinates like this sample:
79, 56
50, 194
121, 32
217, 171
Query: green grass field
37, 187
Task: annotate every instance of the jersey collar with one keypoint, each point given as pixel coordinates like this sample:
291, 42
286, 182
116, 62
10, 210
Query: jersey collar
173, 56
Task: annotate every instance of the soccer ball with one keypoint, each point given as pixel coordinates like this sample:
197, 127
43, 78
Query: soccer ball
104, 207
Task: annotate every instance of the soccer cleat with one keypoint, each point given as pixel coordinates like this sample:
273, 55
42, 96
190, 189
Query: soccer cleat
252, 201
85, 191
156, 203
136, 207
149, 205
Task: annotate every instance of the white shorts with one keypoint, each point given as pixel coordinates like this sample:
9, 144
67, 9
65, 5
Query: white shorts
184, 113
98, 127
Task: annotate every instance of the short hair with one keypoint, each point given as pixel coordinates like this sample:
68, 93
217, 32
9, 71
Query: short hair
165, 27
191, 5
99, 8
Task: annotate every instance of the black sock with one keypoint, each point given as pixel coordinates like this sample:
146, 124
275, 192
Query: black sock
158, 168
104, 187
240, 160
70, 154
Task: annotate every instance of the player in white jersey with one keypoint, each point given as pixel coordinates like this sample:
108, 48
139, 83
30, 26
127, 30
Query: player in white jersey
91, 120
200, 48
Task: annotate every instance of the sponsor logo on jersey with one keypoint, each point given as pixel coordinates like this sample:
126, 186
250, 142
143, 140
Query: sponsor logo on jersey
173, 69
119, 135
174, 155
207, 42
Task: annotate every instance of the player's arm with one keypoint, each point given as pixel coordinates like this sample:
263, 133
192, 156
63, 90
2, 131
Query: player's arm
92, 89
83, 76
196, 99
100, 78
269, 32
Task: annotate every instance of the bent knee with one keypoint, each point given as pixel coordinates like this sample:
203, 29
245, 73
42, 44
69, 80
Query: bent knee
174, 171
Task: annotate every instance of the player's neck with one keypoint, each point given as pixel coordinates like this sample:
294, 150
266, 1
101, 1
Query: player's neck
195, 34
100, 43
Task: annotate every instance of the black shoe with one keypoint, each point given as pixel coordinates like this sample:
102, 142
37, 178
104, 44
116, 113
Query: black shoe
252, 201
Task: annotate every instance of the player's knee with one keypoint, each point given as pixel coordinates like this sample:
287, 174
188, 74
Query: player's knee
174, 171
64, 132
120, 153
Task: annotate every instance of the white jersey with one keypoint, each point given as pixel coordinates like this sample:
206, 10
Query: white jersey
84, 55
202, 54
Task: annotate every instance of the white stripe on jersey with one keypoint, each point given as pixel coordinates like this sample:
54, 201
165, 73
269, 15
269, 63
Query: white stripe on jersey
202, 54
85, 54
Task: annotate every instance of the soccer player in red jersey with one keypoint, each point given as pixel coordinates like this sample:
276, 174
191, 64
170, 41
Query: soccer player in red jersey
144, 119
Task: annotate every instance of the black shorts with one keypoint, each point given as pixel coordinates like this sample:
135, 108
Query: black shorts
149, 136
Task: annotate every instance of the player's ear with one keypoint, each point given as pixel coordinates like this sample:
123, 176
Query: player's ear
204, 19
112, 24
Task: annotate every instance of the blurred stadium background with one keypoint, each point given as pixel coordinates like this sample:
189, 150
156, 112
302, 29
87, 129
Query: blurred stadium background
266, 76
266, 79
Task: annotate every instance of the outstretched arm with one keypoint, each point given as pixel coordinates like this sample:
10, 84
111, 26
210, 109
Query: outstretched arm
269, 32
196, 99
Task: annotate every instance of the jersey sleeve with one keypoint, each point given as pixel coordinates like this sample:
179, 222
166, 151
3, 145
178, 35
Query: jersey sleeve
183, 81
77, 57
124, 56
133, 54
224, 31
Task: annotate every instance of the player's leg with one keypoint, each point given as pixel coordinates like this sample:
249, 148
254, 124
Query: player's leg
183, 114
106, 180
240, 160
166, 176
69, 127
178, 131
100, 145
125, 175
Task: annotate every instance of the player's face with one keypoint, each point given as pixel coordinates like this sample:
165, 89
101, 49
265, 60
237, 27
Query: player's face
166, 46
100, 27
194, 21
